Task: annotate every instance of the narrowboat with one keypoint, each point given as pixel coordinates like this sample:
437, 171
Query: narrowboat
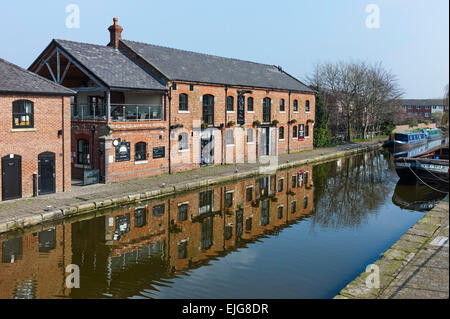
432, 134
430, 167
405, 140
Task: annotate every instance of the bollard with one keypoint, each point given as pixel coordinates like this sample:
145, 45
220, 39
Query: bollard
35, 184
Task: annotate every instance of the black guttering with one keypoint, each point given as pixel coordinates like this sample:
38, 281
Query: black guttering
3, 92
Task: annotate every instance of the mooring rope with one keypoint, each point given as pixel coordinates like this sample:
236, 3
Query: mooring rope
443, 180
404, 160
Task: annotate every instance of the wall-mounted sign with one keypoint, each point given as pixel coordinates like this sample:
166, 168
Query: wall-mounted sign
159, 152
123, 152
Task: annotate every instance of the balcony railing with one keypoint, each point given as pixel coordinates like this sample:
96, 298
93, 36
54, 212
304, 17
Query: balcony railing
88, 112
119, 112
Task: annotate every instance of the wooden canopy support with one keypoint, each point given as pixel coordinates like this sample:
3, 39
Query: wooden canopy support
59, 78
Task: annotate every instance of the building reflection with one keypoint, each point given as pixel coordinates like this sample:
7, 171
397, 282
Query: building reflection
138, 248
33, 266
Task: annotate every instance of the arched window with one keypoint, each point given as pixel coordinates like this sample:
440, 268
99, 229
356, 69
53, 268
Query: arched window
282, 109
266, 109
293, 206
230, 103
295, 106
183, 142
23, 114
140, 151
208, 109
140, 217
83, 152
307, 130
281, 133
307, 106
183, 99
250, 104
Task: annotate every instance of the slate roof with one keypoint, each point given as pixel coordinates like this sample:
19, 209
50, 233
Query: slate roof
183, 65
110, 66
422, 102
14, 79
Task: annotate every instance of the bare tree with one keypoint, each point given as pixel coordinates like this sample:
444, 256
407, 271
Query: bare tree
360, 96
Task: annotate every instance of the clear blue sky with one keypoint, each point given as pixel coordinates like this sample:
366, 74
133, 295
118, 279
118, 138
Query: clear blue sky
412, 41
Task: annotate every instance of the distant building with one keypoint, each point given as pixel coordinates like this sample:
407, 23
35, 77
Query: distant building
422, 109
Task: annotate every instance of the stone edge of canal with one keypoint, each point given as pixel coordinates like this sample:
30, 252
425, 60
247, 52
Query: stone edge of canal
402, 254
88, 208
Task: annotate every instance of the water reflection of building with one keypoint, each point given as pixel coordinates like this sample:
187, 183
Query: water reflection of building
190, 229
33, 266
126, 251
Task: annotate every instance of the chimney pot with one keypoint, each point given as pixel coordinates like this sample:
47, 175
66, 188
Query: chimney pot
115, 32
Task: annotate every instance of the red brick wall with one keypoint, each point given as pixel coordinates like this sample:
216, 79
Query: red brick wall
220, 117
149, 133
48, 120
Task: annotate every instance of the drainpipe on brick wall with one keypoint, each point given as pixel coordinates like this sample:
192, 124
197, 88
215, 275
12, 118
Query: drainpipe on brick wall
289, 125
92, 148
170, 123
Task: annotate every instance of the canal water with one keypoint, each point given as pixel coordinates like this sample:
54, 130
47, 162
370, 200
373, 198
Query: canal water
301, 233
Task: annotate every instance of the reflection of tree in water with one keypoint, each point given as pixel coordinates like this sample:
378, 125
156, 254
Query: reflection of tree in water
347, 190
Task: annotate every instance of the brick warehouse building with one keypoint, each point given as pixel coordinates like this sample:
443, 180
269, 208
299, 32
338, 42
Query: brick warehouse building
35, 114
143, 109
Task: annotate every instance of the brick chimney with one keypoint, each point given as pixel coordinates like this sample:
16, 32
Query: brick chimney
115, 32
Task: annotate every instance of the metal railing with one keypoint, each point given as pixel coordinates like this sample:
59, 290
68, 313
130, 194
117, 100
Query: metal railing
119, 112
136, 112
88, 112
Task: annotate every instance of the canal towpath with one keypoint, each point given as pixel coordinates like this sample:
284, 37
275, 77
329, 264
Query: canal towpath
26, 212
415, 267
